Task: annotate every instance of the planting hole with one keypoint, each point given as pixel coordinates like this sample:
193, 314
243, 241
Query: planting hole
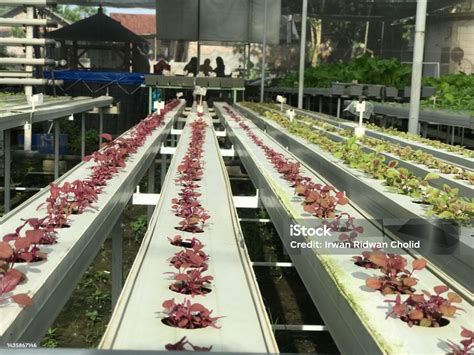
190, 230
167, 321
202, 291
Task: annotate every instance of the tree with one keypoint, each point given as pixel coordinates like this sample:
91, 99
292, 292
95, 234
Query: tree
75, 13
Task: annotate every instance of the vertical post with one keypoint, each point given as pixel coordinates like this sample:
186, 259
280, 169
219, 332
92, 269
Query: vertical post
302, 53
150, 99
151, 185
7, 170
163, 169
30, 14
117, 264
264, 50
101, 126
417, 70
338, 107
83, 135
198, 37
56, 149
382, 35
321, 103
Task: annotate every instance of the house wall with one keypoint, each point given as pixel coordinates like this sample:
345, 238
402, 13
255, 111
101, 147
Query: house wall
442, 37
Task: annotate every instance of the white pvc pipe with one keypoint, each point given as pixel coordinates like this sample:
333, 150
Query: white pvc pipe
417, 69
25, 61
15, 74
30, 12
12, 41
27, 22
28, 2
26, 81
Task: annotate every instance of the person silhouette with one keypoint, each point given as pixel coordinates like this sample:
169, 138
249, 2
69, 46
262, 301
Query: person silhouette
220, 67
206, 67
191, 67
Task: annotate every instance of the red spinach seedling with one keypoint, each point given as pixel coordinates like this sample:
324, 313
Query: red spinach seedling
425, 309
467, 344
396, 278
192, 282
188, 315
190, 258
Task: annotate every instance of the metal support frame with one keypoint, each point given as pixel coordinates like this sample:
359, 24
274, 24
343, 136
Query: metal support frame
338, 107
101, 126
6, 169
117, 260
417, 69
151, 187
163, 168
302, 53
57, 130
83, 135
300, 328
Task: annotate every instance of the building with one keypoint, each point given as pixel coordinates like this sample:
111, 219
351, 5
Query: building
450, 40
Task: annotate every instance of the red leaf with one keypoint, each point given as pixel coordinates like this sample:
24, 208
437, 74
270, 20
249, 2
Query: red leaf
197, 307
419, 264
106, 136
373, 282
168, 304
22, 299
441, 289
34, 235
22, 243
10, 280
6, 250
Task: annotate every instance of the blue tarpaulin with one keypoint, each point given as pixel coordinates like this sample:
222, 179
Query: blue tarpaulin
122, 78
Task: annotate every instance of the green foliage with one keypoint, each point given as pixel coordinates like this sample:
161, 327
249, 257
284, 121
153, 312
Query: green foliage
49, 341
18, 32
93, 315
365, 70
75, 13
71, 128
453, 92
139, 227
444, 204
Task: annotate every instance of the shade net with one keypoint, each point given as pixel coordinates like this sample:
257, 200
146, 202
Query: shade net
220, 20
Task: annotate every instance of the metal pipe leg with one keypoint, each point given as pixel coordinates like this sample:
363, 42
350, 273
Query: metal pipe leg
117, 260
83, 135
338, 107
101, 126
56, 149
151, 186
163, 169
6, 170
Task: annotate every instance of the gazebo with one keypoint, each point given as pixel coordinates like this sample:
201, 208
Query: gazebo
101, 43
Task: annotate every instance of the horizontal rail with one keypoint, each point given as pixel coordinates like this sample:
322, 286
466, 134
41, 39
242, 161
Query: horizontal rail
27, 61
29, 81
17, 116
27, 22
13, 41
